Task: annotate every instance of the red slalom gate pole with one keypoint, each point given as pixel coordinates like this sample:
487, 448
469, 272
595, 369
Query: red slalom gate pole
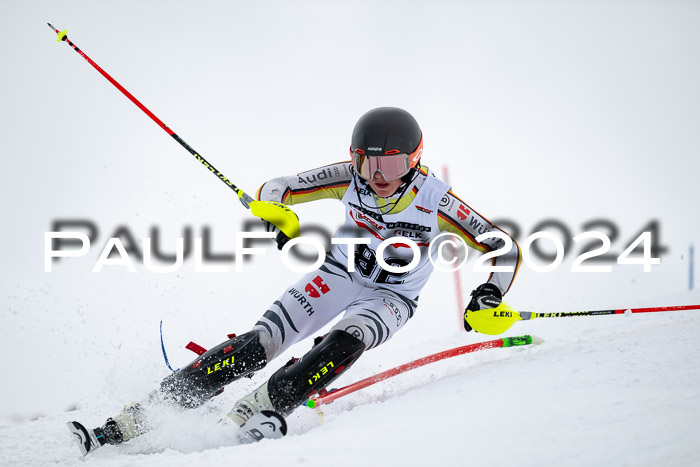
458, 280
496, 343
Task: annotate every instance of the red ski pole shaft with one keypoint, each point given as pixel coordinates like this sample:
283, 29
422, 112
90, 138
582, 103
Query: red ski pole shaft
245, 199
270, 211
529, 314
503, 342
659, 308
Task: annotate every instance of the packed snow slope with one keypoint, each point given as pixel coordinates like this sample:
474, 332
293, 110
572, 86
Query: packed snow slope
609, 390
559, 117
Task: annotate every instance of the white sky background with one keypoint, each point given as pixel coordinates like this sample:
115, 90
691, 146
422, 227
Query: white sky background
570, 110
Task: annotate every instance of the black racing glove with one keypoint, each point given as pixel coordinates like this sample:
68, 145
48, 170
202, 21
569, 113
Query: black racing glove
281, 237
485, 296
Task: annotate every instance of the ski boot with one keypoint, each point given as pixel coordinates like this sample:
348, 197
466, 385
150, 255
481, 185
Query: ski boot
90, 440
290, 386
126, 425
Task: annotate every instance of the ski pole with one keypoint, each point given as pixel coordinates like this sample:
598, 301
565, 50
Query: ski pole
494, 321
276, 213
525, 315
327, 397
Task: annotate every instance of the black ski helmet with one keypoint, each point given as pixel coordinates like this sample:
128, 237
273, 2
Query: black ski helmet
388, 131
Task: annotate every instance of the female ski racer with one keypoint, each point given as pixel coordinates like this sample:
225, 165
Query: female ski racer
387, 193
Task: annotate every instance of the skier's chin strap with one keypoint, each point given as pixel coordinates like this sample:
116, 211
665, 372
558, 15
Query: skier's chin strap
407, 180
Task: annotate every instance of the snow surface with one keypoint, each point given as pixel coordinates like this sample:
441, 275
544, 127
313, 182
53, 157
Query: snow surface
576, 111
609, 390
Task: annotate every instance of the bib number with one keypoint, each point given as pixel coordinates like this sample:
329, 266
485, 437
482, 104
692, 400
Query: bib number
366, 264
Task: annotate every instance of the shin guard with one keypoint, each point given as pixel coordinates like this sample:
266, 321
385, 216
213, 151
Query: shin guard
207, 375
292, 384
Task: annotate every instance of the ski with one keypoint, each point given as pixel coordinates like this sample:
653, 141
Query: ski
86, 439
264, 425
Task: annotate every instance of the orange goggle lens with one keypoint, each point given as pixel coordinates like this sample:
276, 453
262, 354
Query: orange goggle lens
392, 167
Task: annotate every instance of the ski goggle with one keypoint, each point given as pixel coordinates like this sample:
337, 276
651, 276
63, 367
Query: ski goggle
392, 167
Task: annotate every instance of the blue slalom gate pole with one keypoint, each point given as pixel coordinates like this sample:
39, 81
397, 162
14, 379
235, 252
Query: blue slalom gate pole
691, 267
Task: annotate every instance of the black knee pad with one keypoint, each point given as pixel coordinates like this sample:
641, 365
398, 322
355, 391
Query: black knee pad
292, 384
206, 376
